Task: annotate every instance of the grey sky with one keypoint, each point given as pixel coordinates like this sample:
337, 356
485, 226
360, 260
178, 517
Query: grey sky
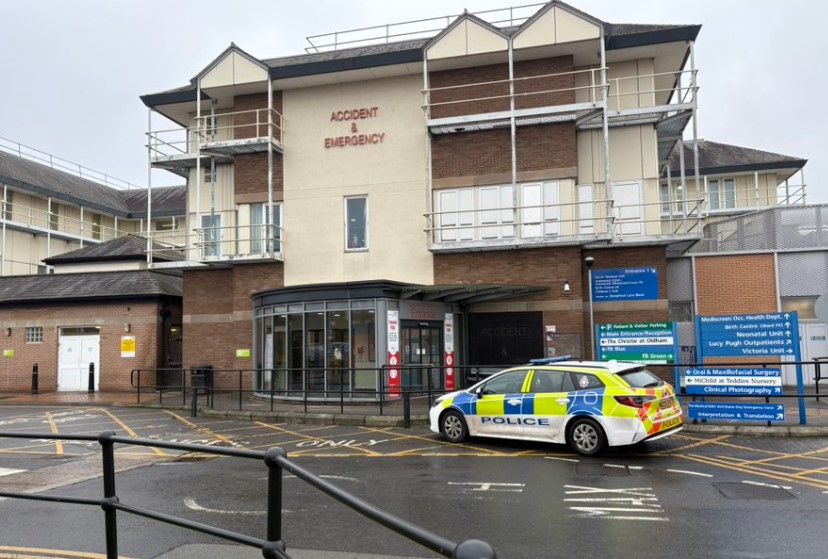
72, 70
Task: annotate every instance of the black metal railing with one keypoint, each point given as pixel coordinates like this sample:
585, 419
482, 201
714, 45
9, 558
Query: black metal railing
273, 544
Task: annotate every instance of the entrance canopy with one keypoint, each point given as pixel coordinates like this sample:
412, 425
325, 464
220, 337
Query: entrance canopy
468, 293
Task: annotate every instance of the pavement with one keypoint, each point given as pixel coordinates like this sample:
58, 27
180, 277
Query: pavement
229, 405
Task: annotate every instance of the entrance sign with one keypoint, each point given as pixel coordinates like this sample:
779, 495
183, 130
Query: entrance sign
448, 343
736, 412
734, 382
748, 335
394, 354
625, 284
753, 335
641, 342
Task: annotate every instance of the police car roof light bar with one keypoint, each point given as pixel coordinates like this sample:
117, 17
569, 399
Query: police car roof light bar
549, 360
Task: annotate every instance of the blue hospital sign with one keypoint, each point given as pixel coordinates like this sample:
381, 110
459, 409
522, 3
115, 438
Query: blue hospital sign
625, 284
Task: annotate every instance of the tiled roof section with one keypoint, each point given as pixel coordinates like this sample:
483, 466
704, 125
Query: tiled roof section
32, 176
130, 247
166, 201
15, 290
356, 52
43, 180
623, 29
717, 158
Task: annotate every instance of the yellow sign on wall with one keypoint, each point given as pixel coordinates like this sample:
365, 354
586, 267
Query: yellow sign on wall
8, 353
242, 353
127, 346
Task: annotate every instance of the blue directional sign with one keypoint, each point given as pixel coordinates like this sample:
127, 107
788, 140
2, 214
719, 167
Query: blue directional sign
641, 342
748, 335
736, 412
733, 382
625, 284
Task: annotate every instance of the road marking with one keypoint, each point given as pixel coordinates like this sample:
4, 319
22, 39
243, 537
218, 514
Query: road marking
36, 552
562, 459
640, 500
9, 471
688, 472
130, 432
205, 430
190, 503
622, 466
743, 469
775, 486
489, 486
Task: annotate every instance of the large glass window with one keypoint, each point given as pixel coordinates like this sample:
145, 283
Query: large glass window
7, 205
264, 238
54, 217
211, 234
356, 223
721, 194
96, 226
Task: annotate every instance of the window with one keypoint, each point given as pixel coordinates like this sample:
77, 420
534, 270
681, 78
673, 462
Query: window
721, 194
584, 381
211, 235
166, 224
672, 200
34, 334
54, 217
7, 206
262, 237
356, 223
548, 381
96, 226
507, 383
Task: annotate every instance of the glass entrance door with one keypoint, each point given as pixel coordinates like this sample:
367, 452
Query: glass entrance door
422, 356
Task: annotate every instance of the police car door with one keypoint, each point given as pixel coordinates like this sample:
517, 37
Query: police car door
544, 407
499, 404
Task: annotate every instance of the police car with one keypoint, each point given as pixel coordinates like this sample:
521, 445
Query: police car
587, 405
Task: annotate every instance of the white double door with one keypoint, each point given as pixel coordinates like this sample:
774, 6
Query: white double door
75, 355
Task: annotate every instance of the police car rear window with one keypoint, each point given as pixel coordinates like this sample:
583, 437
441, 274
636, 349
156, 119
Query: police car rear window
641, 378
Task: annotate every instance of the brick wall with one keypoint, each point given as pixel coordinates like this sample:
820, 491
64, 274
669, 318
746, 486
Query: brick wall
218, 315
257, 120
736, 284
250, 176
113, 371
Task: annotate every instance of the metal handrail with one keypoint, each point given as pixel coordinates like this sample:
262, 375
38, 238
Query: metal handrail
276, 459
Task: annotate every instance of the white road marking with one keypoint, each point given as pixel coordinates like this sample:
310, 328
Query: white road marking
190, 503
488, 486
689, 473
9, 471
766, 484
621, 466
617, 503
561, 459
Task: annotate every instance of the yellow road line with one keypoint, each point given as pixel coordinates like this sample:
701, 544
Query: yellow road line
36, 552
302, 437
54, 429
697, 444
132, 433
203, 430
755, 471
432, 443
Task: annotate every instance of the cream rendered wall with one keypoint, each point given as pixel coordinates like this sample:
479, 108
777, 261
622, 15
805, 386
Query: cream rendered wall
223, 200
392, 174
556, 26
467, 38
233, 69
626, 80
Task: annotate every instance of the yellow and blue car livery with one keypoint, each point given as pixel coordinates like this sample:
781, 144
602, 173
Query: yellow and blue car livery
625, 414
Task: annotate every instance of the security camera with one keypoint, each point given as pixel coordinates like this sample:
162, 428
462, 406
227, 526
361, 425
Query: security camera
589, 261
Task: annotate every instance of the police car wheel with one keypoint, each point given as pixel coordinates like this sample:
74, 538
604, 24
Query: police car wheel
586, 437
453, 427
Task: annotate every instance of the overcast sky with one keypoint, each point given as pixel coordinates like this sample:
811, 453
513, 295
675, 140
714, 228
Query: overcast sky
72, 70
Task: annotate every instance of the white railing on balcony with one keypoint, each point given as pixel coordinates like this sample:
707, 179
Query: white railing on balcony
226, 128
20, 216
557, 224
212, 244
582, 86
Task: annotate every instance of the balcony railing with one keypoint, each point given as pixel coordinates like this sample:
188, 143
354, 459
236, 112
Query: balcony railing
222, 131
558, 225
18, 216
567, 93
218, 244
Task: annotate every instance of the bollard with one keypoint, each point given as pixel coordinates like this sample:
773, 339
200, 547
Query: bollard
91, 378
193, 401
34, 378
406, 410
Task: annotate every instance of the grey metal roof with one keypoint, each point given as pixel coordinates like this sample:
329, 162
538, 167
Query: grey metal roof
144, 284
35, 177
130, 247
716, 158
